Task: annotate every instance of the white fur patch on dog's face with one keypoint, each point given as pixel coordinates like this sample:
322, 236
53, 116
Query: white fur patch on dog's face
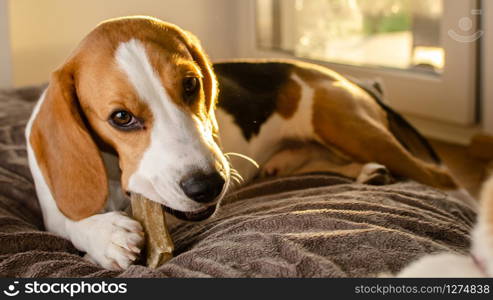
180, 143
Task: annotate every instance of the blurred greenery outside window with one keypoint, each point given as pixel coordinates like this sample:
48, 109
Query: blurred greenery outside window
398, 34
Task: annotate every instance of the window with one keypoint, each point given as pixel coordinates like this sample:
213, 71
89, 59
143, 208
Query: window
402, 34
424, 51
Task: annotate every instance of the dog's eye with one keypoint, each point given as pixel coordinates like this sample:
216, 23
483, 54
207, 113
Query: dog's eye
190, 87
123, 119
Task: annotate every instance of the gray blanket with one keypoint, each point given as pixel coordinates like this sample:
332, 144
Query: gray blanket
305, 226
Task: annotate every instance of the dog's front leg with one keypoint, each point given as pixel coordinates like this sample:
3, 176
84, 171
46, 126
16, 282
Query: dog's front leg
112, 239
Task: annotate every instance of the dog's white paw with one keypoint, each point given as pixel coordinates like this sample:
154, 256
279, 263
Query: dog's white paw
374, 174
113, 239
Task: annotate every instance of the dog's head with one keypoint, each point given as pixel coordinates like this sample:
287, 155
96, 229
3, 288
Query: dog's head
145, 88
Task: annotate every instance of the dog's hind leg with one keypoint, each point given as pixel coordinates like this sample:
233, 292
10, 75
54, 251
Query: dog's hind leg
301, 158
378, 145
314, 158
368, 140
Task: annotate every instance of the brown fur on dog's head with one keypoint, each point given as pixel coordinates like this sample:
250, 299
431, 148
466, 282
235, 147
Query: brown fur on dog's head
85, 91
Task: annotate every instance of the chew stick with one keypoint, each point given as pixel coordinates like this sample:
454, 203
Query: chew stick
159, 245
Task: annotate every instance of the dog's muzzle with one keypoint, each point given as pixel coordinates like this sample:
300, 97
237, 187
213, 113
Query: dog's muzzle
203, 188
192, 216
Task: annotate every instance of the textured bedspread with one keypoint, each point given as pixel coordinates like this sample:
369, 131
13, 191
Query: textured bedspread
305, 226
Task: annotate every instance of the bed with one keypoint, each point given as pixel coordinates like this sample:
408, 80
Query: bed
314, 225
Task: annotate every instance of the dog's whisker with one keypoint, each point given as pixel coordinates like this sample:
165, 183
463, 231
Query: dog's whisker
236, 180
234, 173
247, 158
238, 177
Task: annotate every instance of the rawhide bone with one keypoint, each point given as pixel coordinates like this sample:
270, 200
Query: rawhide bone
159, 245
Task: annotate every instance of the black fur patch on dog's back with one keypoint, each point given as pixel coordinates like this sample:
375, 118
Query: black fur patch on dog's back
248, 91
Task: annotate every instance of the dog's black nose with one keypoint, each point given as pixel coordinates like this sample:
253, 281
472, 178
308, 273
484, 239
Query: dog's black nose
202, 187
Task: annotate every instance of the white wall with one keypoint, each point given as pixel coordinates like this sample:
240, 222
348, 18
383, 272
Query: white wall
44, 32
487, 56
37, 35
5, 59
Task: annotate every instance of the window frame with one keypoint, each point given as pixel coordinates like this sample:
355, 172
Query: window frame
447, 101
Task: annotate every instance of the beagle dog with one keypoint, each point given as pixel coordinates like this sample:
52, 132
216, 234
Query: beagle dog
138, 108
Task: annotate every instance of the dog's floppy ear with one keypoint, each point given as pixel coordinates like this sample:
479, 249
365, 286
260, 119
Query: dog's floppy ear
65, 151
209, 80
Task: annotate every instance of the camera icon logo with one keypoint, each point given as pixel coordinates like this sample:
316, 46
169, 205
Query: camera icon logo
466, 24
11, 290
